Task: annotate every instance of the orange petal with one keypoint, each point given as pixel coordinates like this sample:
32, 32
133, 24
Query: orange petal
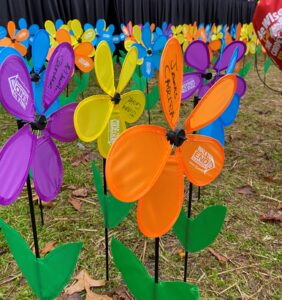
238, 31
84, 63
11, 29
5, 42
202, 158
215, 45
22, 35
51, 50
135, 161
213, 103
159, 209
83, 49
21, 48
62, 35
170, 81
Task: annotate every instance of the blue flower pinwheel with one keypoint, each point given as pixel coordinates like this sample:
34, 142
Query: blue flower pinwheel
150, 51
104, 33
32, 29
165, 30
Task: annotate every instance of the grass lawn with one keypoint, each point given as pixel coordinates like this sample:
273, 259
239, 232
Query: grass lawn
253, 247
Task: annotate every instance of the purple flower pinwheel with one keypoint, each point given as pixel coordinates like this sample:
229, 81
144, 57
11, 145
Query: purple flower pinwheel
197, 56
150, 51
32, 145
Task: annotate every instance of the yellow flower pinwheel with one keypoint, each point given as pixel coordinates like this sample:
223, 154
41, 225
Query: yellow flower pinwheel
80, 36
178, 32
249, 37
103, 117
217, 33
51, 29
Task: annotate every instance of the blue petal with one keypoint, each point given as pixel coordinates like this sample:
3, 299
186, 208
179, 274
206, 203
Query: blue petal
156, 59
59, 23
3, 32
22, 23
147, 36
159, 43
88, 26
230, 114
148, 67
100, 26
33, 29
142, 52
116, 39
40, 48
111, 29
214, 130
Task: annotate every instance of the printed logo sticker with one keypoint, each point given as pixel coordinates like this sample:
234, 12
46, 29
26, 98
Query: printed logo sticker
19, 91
202, 160
114, 130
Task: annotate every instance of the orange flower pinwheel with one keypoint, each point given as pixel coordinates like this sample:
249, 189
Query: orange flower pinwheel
15, 39
82, 51
148, 162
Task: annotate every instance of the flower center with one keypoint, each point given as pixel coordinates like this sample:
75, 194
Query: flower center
176, 137
40, 122
149, 51
116, 98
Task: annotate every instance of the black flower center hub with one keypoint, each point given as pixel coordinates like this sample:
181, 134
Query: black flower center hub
149, 51
116, 98
35, 77
176, 137
40, 123
207, 76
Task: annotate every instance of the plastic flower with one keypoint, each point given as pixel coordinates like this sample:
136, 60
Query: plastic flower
32, 29
79, 35
51, 28
104, 33
249, 37
15, 38
178, 33
149, 51
82, 52
165, 30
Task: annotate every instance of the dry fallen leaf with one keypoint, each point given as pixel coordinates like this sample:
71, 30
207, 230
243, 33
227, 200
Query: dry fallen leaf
84, 282
48, 247
272, 216
221, 258
181, 252
93, 296
81, 192
121, 293
246, 190
83, 158
75, 296
76, 203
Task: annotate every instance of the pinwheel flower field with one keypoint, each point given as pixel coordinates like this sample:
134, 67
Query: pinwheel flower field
245, 260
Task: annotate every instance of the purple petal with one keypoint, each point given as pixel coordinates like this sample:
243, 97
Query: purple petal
15, 160
191, 82
241, 86
58, 73
60, 124
15, 88
47, 169
223, 61
197, 56
204, 89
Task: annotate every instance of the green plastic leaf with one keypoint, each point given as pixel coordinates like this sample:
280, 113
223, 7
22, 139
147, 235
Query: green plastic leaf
114, 59
267, 65
258, 49
71, 98
152, 98
84, 80
195, 234
113, 211
121, 59
139, 82
76, 79
47, 276
246, 69
141, 284
122, 53
214, 59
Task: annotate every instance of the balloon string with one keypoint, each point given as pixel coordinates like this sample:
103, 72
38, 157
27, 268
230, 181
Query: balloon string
263, 81
106, 229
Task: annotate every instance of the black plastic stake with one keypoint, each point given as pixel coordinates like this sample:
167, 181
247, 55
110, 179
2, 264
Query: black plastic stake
32, 217
41, 212
157, 258
106, 229
147, 91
